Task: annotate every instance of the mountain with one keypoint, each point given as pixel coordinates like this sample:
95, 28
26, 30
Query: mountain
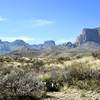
18, 44
6, 47
68, 45
37, 46
88, 35
87, 41
46, 44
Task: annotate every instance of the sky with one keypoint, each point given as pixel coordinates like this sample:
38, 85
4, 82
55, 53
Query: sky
36, 21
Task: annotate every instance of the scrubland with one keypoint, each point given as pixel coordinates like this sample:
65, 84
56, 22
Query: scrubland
59, 78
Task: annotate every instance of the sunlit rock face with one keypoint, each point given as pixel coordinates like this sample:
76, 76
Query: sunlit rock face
89, 35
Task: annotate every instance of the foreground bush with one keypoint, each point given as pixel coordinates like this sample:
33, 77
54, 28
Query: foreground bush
79, 71
53, 85
54, 82
82, 77
62, 59
93, 85
19, 85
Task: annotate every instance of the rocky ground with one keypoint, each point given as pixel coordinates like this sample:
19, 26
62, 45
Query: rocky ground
73, 94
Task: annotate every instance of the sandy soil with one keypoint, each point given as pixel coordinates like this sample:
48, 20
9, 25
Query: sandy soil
73, 94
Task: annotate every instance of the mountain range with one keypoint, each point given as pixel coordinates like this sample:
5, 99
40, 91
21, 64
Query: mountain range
89, 38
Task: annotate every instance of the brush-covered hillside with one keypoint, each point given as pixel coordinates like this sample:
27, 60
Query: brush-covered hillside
60, 78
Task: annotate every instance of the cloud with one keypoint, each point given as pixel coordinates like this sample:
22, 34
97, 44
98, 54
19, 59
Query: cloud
41, 22
2, 19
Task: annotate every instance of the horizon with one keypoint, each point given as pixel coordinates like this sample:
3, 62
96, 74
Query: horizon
37, 21
35, 43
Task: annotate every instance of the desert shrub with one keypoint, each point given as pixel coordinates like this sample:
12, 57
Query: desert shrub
21, 98
54, 82
78, 56
88, 85
83, 73
82, 77
20, 84
7, 59
38, 64
96, 55
1, 59
77, 71
62, 59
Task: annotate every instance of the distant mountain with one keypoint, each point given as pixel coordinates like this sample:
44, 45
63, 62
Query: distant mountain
18, 44
46, 44
88, 35
88, 40
68, 45
37, 46
6, 47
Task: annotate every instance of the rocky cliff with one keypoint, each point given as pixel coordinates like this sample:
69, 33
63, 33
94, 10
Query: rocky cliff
89, 35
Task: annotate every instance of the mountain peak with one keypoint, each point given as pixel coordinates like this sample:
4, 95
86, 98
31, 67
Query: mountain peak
19, 42
89, 35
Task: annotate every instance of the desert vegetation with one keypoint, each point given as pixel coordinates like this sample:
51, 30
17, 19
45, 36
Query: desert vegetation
29, 78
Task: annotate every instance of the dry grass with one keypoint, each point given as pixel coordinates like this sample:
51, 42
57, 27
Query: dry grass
81, 73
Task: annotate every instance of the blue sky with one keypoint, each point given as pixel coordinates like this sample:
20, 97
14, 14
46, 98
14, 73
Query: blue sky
35, 21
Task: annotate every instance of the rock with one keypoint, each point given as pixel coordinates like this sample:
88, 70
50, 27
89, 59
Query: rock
46, 44
68, 45
19, 42
89, 35
49, 43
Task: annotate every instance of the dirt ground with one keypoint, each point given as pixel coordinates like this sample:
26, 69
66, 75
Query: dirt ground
73, 94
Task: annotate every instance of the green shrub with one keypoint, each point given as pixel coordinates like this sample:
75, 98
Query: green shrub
38, 64
54, 81
62, 59
88, 85
80, 71
19, 84
96, 55
82, 77
53, 84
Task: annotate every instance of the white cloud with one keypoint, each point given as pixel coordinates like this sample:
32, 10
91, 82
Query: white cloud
41, 22
2, 19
